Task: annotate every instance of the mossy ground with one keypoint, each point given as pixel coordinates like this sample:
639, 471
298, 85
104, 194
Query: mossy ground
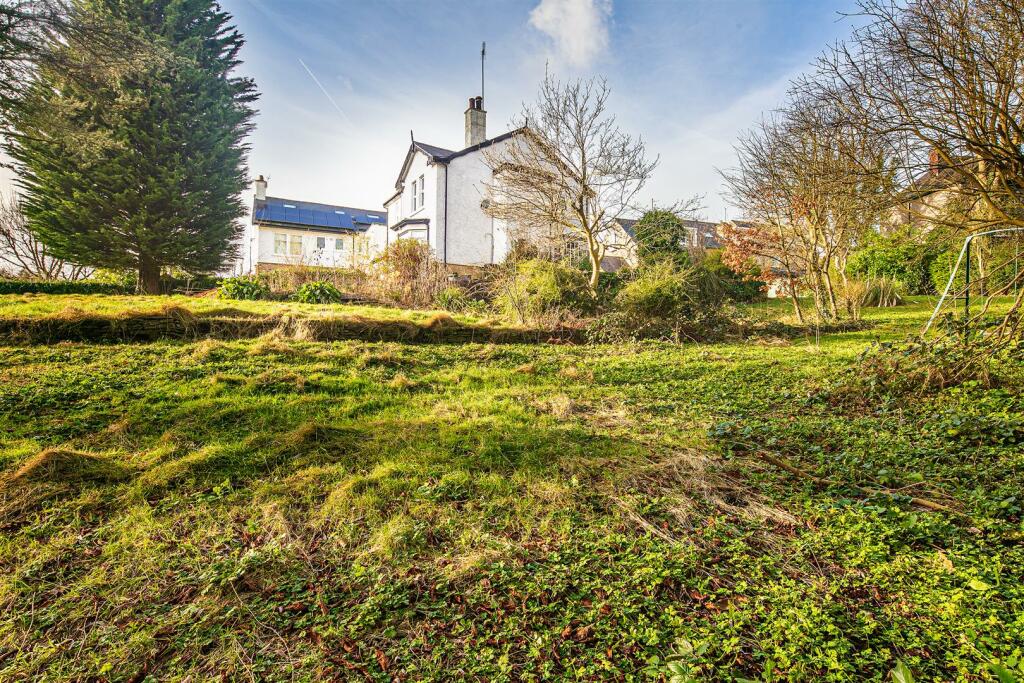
262, 510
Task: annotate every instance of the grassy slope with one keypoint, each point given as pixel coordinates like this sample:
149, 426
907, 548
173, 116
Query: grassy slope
42, 305
318, 511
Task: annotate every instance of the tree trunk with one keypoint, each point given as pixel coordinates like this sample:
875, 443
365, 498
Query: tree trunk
149, 275
596, 253
796, 302
830, 291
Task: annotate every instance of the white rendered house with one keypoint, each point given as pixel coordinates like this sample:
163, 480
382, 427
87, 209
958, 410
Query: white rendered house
289, 232
439, 197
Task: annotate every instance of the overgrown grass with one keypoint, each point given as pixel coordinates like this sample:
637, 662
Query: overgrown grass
317, 511
42, 305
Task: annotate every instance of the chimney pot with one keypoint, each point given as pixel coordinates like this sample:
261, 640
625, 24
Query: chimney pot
261, 187
476, 122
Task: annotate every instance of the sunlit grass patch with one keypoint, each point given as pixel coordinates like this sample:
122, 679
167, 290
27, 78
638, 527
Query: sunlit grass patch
285, 509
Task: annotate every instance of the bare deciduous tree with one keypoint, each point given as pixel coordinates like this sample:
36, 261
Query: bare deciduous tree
22, 255
941, 84
571, 172
813, 185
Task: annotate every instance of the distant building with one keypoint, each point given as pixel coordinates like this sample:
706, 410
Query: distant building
290, 232
927, 197
623, 247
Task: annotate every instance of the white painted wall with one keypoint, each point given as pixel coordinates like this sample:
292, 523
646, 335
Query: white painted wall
474, 238
358, 248
401, 208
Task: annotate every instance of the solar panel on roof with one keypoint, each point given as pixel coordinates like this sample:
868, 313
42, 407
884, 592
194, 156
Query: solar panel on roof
315, 215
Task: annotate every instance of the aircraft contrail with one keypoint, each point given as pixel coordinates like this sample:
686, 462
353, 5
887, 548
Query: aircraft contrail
320, 85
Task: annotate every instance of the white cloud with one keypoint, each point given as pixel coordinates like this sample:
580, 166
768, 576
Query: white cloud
578, 28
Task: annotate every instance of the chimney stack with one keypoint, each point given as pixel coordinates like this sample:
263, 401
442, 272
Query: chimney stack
476, 122
261, 188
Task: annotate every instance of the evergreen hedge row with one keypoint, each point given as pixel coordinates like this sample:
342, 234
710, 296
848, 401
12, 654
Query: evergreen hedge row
59, 287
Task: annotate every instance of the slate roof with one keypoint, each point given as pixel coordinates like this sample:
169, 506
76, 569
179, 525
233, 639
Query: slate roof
313, 216
442, 155
433, 151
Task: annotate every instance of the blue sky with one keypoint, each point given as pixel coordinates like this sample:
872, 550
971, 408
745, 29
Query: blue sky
686, 75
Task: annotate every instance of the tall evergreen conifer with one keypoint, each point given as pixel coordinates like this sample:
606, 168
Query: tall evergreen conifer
141, 167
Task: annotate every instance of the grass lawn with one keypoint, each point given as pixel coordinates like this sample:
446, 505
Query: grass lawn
43, 305
261, 510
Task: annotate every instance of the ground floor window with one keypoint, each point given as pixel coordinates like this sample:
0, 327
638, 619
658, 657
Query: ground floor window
295, 245
321, 243
280, 243
339, 244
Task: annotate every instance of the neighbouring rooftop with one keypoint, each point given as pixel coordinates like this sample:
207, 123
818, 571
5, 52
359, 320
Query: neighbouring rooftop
312, 216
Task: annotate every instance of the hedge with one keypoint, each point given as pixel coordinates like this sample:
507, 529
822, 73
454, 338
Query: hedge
59, 287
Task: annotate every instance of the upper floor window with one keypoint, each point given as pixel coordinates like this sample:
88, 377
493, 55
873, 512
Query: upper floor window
418, 194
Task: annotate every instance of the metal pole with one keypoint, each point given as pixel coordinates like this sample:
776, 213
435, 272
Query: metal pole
953, 272
967, 291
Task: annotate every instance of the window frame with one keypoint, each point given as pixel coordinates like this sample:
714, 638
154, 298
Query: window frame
293, 241
280, 240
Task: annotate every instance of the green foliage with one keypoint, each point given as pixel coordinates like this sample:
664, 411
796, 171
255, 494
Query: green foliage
318, 293
454, 299
128, 280
940, 268
538, 289
739, 287
59, 287
660, 235
900, 256
507, 512
284, 281
244, 287
664, 301
140, 167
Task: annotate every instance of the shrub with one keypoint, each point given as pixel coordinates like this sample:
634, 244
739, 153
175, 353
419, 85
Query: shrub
244, 287
739, 287
665, 301
127, 280
59, 287
453, 299
538, 290
898, 257
318, 293
409, 275
880, 292
283, 282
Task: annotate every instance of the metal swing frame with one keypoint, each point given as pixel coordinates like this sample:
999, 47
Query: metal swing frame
965, 256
